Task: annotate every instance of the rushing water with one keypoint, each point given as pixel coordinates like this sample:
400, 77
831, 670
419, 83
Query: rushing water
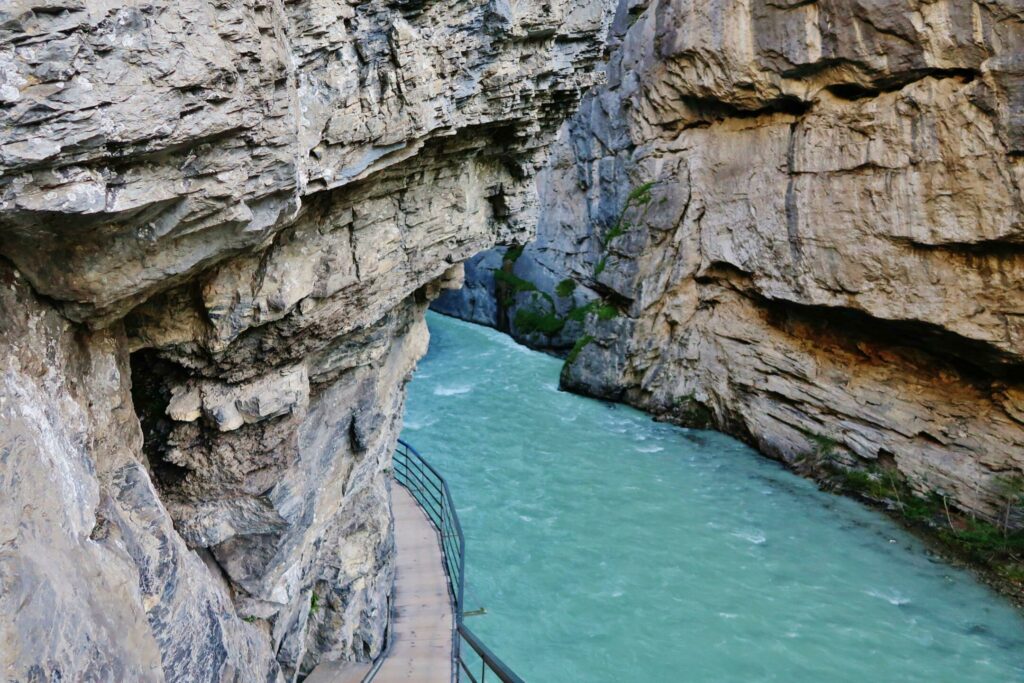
608, 547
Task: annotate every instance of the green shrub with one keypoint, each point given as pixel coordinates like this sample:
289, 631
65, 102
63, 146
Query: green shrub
987, 544
617, 230
513, 254
641, 194
638, 196
985, 541
604, 311
530, 320
565, 288
516, 283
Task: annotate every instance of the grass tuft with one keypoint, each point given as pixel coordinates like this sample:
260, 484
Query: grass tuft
580, 344
530, 320
565, 288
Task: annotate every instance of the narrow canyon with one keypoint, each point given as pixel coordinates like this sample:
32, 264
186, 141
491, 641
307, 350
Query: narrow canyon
220, 227
800, 222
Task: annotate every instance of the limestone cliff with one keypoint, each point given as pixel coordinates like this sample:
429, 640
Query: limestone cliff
803, 223
220, 225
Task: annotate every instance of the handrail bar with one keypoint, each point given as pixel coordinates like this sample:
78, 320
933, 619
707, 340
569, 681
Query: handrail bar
409, 472
500, 669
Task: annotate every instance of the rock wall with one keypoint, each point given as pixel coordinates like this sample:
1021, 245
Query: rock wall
803, 223
220, 226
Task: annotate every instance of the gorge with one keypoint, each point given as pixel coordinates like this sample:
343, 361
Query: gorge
799, 223
221, 225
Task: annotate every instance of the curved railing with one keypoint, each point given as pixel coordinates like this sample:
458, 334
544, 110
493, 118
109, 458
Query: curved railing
430, 490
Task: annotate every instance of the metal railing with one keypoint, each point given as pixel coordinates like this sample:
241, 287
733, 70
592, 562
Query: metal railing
430, 490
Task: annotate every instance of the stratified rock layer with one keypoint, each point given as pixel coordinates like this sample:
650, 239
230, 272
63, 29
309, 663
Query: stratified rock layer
830, 260
220, 225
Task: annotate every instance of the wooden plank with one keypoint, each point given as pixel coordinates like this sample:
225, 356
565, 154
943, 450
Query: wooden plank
421, 649
339, 672
422, 620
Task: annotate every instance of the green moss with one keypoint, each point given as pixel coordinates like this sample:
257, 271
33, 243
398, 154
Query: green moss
577, 348
638, 196
604, 311
617, 230
607, 312
314, 604
513, 254
530, 320
249, 619
641, 194
565, 288
599, 268
514, 282
579, 313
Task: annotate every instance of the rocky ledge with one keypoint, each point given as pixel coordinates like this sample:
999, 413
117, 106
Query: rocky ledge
220, 226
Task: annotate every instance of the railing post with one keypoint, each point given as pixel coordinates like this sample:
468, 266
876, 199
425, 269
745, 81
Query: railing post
454, 560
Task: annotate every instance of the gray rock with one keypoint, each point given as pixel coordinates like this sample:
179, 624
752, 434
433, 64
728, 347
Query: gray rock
832, 248
477, 299
220, 227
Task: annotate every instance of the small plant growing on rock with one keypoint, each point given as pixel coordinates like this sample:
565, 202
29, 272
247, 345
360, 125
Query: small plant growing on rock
530, 320
515, 283
822, 459
604, 311
565, 288
513, 254
607, 312
637, 197
577, 348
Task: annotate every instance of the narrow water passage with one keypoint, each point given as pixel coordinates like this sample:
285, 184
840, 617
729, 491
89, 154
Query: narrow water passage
608, 547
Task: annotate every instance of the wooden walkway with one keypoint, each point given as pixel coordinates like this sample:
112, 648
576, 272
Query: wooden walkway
422, 619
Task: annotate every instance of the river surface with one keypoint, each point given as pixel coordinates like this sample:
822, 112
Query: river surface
608, 547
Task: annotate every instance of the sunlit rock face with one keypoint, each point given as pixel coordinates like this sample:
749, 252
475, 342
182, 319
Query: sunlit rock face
833, 248
220, 226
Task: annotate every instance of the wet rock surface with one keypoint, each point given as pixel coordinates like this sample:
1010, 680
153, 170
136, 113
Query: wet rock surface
220, 226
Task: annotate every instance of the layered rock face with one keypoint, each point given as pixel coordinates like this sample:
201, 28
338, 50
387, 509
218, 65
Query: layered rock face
220, 225
803, 223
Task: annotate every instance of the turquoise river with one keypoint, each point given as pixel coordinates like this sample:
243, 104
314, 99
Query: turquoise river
607, 547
